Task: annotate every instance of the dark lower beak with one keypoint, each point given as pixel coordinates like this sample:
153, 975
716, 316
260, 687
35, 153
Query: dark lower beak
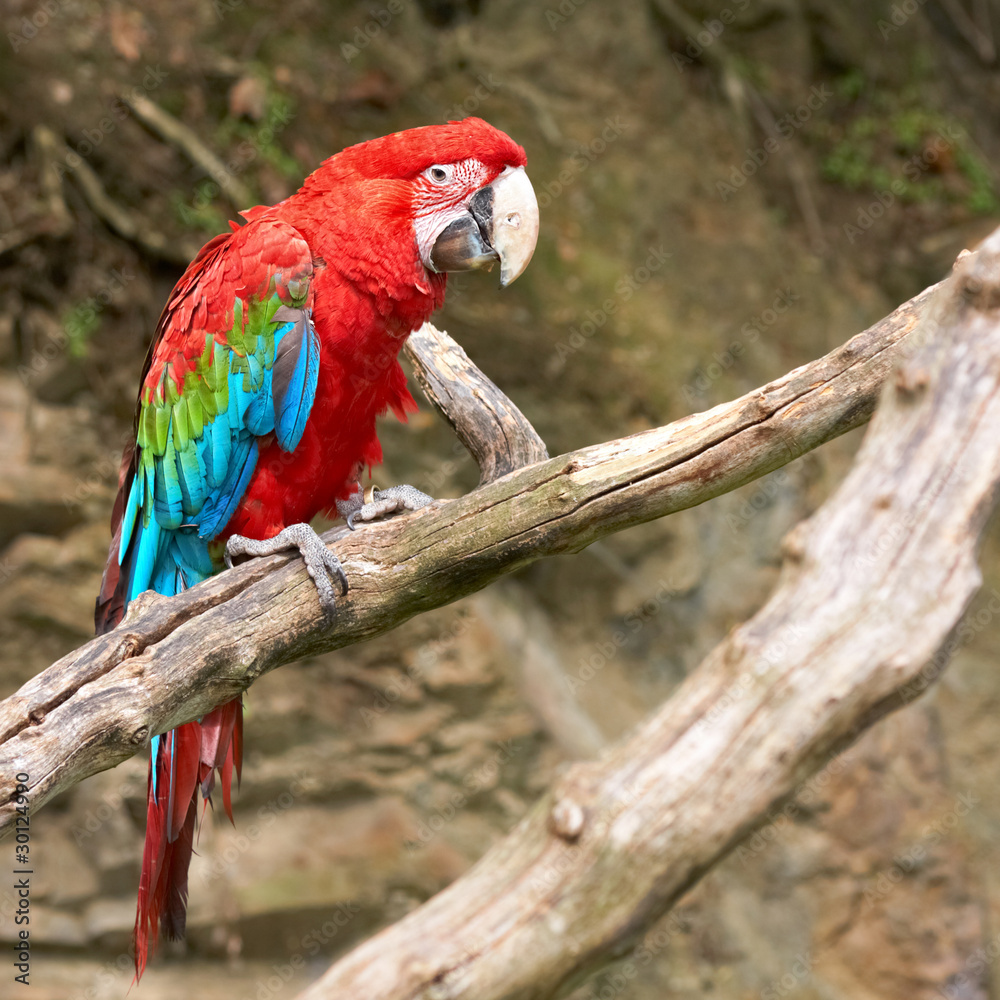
501, 224
463, 246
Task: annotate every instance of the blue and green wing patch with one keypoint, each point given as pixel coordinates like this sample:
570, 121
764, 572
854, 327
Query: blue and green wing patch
197, 441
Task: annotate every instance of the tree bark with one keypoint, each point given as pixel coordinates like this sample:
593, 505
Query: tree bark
872, 587
173, 659
496, 433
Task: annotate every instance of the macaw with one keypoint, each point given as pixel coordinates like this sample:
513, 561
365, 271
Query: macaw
274, 355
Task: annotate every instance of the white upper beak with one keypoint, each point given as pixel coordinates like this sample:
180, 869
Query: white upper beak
515, 222
499, 222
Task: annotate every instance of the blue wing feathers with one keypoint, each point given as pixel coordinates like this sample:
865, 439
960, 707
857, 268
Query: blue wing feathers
296, 372
181, 500
132, 506
222, 502
146, 555
167, 499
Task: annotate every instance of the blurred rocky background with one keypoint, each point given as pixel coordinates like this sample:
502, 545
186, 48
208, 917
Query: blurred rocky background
728, 189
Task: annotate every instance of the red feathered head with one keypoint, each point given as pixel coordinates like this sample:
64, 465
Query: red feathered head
459, 189
403, 155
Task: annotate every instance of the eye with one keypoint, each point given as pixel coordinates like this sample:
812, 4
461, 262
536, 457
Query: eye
438, 174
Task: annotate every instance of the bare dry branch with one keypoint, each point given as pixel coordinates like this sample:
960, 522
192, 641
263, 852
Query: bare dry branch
121, 220
175, 658
497, 434
177, 133
872, 587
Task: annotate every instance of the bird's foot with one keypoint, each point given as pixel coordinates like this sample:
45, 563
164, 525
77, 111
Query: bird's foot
321, 564
382, 502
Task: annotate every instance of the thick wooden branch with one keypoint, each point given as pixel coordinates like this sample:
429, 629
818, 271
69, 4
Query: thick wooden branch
173, 659
494, 430
872, 587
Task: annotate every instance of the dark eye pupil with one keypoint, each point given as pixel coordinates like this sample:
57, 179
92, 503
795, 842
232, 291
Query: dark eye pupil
438, 174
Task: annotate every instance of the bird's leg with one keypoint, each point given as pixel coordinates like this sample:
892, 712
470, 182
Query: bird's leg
321, 564
383, 502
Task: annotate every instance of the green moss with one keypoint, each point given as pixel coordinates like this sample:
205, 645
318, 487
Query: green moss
242, 147
80, 322
250, 141
851, 85
895, 142
199, 213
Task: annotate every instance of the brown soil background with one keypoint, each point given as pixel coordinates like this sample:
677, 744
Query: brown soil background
376, 775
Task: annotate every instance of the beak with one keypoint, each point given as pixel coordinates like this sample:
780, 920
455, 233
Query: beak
501, 223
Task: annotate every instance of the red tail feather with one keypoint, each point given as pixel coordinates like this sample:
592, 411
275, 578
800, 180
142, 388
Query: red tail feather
186, 759
175, 880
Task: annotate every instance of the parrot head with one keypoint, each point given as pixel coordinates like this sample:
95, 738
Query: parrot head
498, 222
461, 186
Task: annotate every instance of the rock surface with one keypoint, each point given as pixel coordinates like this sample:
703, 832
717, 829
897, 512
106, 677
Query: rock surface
376, 775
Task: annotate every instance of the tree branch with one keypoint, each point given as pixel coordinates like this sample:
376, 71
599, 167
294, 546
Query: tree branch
496, 433
174, 659
872, 588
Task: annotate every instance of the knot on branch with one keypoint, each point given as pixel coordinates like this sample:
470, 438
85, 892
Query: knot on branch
567, 819
978, 275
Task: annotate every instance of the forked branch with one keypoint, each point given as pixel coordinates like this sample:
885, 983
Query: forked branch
174, 658
872, 587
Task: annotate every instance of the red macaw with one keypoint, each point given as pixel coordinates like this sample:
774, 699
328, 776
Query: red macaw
275, 353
